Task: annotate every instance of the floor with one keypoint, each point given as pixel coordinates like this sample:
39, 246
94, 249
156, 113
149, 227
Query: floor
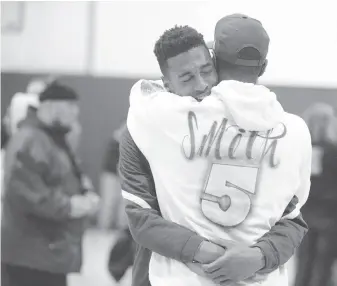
94, 271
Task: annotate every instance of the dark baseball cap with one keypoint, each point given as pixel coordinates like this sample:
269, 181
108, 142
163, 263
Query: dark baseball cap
57, 91
240, 40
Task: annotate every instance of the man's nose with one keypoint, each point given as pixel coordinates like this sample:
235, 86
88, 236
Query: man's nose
201, 84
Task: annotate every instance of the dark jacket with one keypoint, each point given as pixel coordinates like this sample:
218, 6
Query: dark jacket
111, 157
37, 230
320, 211
153, 233
121, 256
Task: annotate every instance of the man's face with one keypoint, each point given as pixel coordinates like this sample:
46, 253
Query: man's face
191, 73
67, 112
320, 125
74, 136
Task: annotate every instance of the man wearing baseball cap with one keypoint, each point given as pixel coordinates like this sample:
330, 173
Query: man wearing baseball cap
221, 168
241, 47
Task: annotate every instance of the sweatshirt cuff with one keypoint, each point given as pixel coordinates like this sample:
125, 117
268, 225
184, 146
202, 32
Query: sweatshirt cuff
270, 255
190, 248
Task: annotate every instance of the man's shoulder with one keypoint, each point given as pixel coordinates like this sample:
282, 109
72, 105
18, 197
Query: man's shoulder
298, 129
295, 121
31, 137
151, 86
31, 146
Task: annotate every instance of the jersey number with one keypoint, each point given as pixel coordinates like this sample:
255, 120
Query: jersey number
225, 199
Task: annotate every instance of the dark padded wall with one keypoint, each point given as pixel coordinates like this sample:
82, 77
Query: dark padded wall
104, 104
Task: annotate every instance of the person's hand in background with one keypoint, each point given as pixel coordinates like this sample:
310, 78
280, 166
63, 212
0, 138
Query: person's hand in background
87, 183
95, 202
84, 205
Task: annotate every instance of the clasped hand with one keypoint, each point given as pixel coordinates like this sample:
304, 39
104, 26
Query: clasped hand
232, 262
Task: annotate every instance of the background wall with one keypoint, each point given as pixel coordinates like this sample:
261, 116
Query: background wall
54, 38
116, 38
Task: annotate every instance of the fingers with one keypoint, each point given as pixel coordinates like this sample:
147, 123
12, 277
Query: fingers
223, 281
92, 201
78, 206
216, 274
255, 278
212, 267
224, 242
226, 283
87, 183
93, 197
196, 268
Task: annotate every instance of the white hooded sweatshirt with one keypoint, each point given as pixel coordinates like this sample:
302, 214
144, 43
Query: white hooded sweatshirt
225, 167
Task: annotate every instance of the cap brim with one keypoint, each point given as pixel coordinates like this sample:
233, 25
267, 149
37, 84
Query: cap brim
210, 44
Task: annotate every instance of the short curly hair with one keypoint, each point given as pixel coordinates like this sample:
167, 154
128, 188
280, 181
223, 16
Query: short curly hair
175, 41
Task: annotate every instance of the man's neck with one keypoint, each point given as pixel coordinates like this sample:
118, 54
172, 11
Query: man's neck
236, 77
49, 123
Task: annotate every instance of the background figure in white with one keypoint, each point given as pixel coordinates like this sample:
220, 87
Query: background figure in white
21, 105
19, 108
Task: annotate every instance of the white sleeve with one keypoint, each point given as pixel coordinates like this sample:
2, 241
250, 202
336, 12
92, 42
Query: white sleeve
154, 111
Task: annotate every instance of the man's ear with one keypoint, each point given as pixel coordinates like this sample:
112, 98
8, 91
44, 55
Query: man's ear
213, 57
263, 68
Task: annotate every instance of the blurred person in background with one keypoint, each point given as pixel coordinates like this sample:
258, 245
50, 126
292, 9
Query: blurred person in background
112, 214
5, 135
318, 250
22, 106
74, 136
22, 103
122, 254
47, 200
37, 85
4, 140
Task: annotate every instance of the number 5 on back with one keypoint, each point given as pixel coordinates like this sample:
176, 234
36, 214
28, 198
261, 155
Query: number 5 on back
226, 197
